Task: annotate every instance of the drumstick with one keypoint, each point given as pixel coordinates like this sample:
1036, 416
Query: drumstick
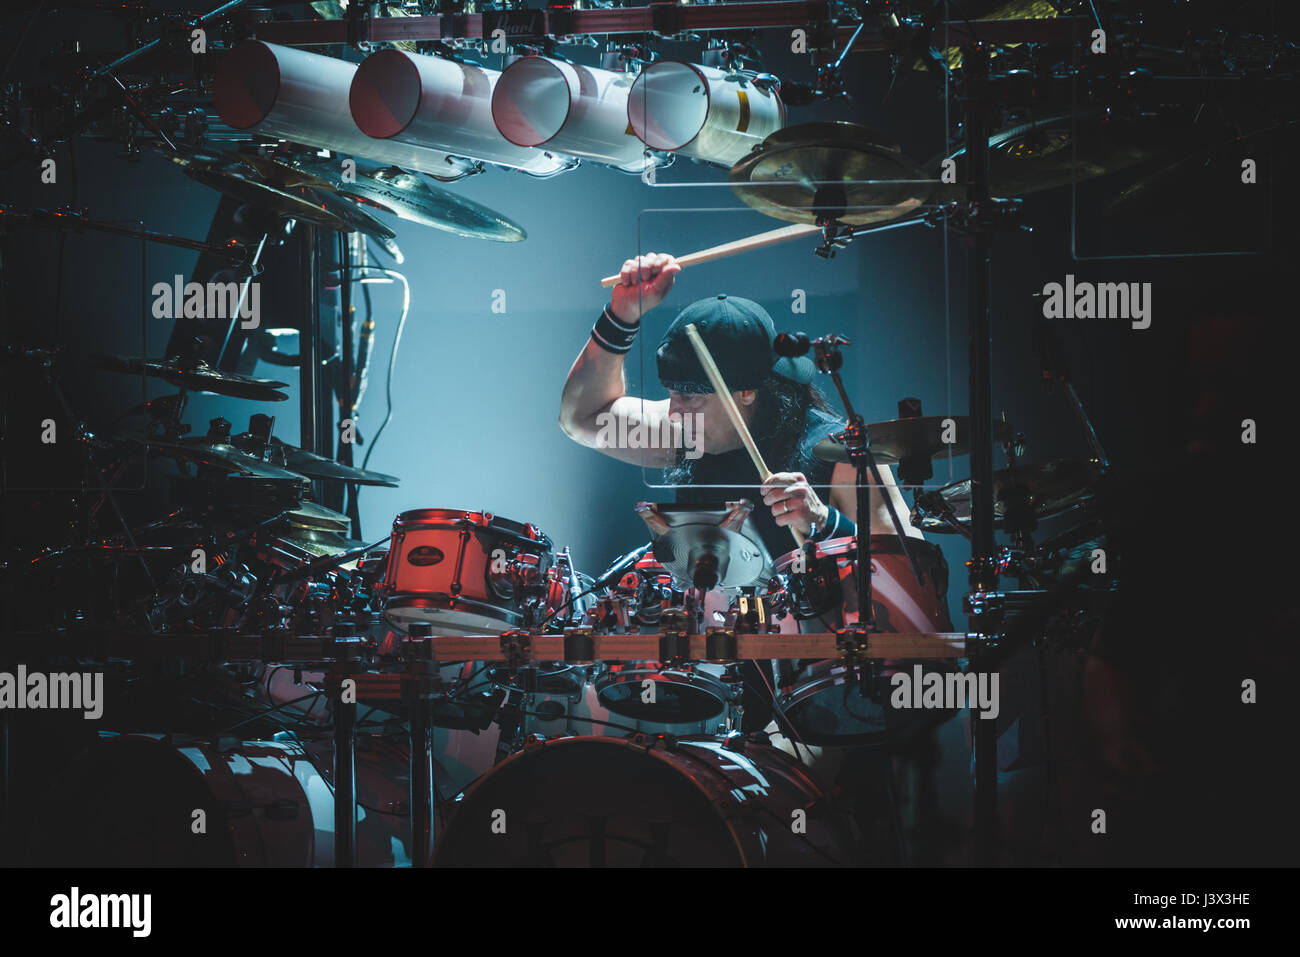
733, 413
736, 246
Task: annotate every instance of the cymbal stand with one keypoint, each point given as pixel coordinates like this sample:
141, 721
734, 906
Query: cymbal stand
857, 442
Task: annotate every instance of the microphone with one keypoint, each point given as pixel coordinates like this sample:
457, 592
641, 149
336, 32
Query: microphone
791, 344
620, 566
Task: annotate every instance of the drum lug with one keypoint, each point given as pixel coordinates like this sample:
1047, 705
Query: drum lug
720, 646
579, 646
851, 643
674, 647
516, 649
735, 742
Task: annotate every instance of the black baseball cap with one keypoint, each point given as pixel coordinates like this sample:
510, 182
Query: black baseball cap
739, 335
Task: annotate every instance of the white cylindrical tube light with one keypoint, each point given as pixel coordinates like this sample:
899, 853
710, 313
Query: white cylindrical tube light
303, 97
702, 112
439, 104
569, 108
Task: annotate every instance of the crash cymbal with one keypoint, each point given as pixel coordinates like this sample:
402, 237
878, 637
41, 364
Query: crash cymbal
923, 436
829, 170
196, 377
393, 190
1053, 488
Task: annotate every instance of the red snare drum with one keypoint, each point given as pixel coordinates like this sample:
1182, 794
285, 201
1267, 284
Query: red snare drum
460, 572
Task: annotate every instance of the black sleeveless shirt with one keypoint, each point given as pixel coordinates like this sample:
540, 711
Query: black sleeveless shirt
735, 472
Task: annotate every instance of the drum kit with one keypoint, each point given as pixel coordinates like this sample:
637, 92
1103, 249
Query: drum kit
516, 709
602, 714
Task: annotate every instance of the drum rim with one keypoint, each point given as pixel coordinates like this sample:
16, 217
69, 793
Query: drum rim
699, 681
453, 518
401, 600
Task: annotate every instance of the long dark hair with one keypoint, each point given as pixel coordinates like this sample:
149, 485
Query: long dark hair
780, 414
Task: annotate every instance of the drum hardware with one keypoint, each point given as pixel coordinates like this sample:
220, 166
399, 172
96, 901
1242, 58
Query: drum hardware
1030, 493
239, 255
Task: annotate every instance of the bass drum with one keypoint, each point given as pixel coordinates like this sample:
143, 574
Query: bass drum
130, 801
645, 802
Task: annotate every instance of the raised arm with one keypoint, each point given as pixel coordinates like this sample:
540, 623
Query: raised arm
595, 409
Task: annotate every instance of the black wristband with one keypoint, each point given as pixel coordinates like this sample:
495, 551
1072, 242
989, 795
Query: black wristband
837, 526
613, 335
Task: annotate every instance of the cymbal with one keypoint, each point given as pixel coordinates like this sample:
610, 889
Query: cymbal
1054, 487
1058, 150
829, 170
214, 455
197, 377
309, 515
923, 436
317, 466
235, 177
689, 536
393, 190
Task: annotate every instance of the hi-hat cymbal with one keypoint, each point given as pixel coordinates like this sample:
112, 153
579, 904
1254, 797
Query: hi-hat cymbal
919, 437
1051, 488
393, 190
197, 377
839, 171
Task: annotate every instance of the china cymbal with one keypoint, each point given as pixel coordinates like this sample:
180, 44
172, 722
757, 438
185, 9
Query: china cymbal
1053, 488
197, 377
712, 543
393, 190
922, 436
831, 171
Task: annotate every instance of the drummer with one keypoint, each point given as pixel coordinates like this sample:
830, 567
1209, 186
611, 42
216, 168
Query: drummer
783, 410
